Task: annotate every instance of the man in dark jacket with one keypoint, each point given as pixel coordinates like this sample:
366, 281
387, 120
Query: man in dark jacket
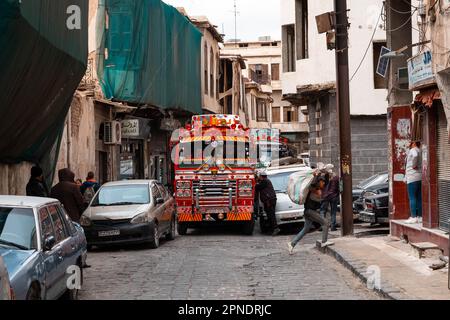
68, 193
36, 187
268, 197
330, 198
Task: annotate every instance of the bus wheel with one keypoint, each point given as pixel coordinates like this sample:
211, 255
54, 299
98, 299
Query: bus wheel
182, 229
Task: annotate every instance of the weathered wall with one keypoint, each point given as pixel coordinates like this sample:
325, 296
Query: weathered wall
14, 178
77, 151
369, 139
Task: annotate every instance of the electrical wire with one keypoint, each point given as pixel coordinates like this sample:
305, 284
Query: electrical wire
370, 44
404, 24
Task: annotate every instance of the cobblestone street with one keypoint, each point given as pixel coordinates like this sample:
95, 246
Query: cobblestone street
219, 264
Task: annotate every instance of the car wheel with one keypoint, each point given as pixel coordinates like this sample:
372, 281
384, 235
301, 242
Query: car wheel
171, 235
34, 293
182, 229
249, 226
154, 243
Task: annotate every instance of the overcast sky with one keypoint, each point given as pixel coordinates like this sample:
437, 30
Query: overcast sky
256, 17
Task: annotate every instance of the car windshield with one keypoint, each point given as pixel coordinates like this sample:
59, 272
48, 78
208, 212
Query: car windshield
379, 179
373, 180
280, 181
122, 195
18, 228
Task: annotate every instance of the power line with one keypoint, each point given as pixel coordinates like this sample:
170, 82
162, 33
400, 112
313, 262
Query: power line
370, 44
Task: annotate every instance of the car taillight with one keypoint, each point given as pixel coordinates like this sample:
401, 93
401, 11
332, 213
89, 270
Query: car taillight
183, 184
184, 193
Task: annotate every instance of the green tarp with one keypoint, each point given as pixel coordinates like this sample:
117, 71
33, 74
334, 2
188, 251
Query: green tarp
42, 60
149, 54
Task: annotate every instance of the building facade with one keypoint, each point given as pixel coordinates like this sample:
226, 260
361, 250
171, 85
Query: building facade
263, 61
308, 81
421, 112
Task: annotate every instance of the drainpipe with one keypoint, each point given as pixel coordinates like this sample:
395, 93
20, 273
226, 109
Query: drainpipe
69, 140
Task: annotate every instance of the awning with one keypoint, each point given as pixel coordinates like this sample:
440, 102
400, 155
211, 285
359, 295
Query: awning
427, 97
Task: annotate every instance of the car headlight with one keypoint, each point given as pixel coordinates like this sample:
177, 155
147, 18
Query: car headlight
245, 185
184, 193
140, 218
85, 221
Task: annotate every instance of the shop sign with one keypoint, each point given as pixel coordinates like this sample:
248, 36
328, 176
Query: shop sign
420, 69
130, 128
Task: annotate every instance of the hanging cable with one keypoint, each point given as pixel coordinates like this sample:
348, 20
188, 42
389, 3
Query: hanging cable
370, 44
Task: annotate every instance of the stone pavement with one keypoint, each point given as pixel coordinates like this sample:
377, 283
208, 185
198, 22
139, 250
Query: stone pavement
403, 275
220, 264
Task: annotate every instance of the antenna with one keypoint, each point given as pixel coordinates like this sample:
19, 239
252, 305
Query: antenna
235, 23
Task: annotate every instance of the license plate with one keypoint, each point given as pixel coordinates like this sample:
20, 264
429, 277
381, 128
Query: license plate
215, 211
109, 233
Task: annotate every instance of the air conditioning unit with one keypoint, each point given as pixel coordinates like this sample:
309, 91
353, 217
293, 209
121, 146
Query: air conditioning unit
112, 132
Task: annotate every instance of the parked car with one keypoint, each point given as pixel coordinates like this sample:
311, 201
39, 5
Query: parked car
376, 209
6, 292
38, 243
374, 185
286, 211
135, 211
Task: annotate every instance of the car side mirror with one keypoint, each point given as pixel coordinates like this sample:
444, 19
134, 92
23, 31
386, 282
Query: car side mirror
159, 201
49, 243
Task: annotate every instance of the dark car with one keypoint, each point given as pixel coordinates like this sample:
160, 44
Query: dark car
374, 185
376, 209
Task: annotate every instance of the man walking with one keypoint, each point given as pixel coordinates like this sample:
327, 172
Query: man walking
268, 197
330, 197
89, 188
36, 186
414, 182
312, 207
68, 193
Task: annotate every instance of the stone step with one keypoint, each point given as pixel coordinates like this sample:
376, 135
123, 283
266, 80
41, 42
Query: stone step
421, 247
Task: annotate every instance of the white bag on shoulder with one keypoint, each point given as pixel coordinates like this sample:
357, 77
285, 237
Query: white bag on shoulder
298, 186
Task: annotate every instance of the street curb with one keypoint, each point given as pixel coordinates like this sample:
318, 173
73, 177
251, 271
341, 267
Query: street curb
359, 269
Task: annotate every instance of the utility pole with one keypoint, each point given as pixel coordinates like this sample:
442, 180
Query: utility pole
343, 111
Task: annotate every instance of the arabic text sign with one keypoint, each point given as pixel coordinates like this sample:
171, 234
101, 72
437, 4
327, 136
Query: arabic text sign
420, 70
130, 128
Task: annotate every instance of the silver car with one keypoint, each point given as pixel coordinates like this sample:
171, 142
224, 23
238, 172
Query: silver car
43, 250
286, 211
135, 211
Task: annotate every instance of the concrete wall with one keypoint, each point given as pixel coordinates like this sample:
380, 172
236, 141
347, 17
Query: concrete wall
14, 178
320, 66
369, 139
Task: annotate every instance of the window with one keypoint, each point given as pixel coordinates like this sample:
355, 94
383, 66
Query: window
46, 224
276, 114
290, 114
163, 191
17, 226
379, 81
58, 226
205, 66
275, 71
260, 73
288, 36
253, 108
70, 226
261, 110
211, 73
155, 193
243, 45
301, 23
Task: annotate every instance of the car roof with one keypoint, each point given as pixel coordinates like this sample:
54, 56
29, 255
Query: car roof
284, 169
129, 182
22, 201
